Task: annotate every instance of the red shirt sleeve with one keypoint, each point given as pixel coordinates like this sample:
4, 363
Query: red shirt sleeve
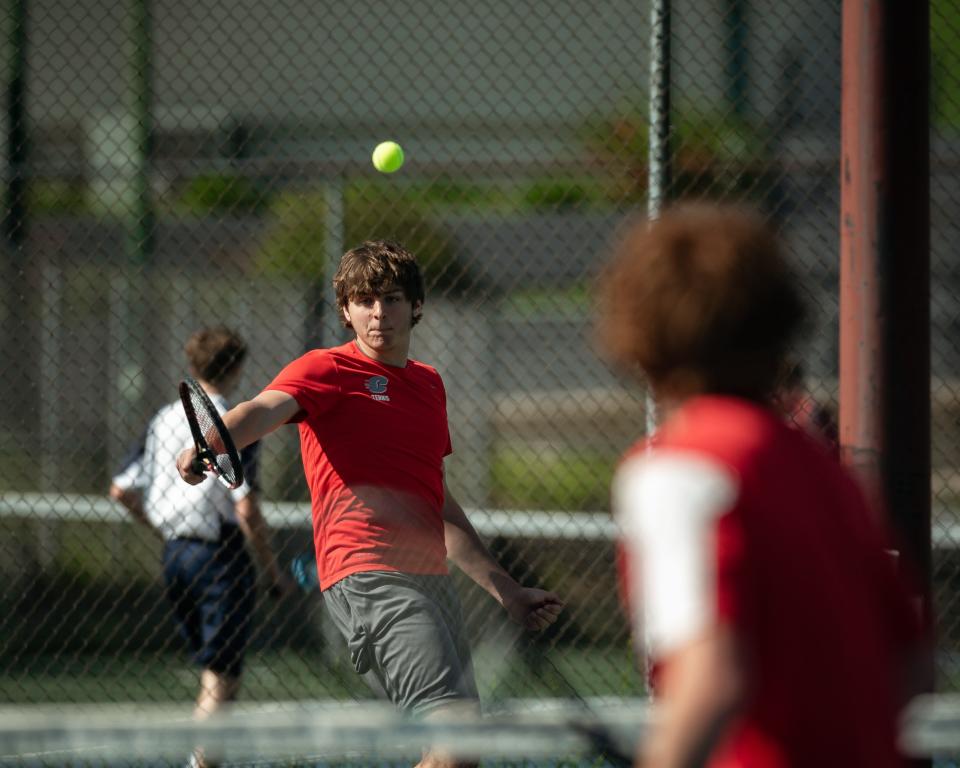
312, 380
730, 583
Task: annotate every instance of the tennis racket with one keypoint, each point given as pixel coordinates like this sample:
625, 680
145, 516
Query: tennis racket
216, 452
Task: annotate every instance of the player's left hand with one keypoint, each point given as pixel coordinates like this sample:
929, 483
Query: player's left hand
534, 608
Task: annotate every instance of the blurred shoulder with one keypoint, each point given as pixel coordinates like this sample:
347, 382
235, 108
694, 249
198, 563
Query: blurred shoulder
663, 486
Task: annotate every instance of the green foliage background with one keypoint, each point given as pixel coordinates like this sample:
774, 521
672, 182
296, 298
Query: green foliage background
945, 64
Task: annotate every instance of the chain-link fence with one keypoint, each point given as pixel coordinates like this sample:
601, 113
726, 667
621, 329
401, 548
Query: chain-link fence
176, 163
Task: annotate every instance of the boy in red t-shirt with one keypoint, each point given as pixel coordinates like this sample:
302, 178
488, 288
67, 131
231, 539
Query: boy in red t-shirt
778, 632
373, 436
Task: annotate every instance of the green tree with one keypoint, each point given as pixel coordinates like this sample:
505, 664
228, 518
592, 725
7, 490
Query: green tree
945, 63
295, 243
222, 194
716, 153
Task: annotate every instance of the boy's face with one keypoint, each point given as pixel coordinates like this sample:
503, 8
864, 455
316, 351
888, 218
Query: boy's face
382, 324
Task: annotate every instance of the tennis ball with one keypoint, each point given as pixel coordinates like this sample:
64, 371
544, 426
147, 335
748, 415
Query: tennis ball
387, 157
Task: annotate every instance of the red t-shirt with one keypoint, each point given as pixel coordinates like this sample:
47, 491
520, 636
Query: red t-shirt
732, 517
372, 439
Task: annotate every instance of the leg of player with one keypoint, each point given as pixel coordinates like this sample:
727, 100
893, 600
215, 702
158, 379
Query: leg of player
455, 711
407, 629
216, 690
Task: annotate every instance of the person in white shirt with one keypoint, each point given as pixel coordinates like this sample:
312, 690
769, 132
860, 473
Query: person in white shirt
208, 574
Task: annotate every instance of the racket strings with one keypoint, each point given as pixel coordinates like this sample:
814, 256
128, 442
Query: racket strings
219, 453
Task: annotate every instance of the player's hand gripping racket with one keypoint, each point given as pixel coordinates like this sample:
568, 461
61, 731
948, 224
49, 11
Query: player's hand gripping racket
216, 452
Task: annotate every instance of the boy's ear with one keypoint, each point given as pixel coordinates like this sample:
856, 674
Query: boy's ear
417, 309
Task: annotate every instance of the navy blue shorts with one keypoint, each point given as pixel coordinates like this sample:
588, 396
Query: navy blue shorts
212, 587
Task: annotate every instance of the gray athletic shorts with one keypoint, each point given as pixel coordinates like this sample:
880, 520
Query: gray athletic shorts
407, 629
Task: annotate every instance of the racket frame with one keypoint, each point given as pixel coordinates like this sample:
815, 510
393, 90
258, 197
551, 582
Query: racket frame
205, 460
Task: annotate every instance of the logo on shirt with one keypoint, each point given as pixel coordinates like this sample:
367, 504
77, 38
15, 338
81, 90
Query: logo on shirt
377, 387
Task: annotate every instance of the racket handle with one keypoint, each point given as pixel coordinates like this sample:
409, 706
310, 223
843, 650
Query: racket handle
198, 467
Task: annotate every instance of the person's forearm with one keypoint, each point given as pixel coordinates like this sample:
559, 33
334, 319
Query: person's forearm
255, 529
531, 607
249, 421
467, 551
702, 690
686, 739
133, 503
138, 513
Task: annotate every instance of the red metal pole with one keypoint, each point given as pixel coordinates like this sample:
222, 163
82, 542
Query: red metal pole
862, 397
885, 263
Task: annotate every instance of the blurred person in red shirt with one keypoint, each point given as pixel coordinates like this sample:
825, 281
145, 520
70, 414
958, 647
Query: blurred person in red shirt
777, 629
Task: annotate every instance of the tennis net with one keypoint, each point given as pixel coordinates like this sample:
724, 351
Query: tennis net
317, 734
595, 733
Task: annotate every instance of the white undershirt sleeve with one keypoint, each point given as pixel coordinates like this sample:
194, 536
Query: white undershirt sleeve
667, 505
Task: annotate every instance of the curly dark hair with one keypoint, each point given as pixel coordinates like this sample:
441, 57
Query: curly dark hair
215, 353
702, 300
371, 268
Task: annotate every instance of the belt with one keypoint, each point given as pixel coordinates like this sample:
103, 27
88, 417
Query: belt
227, 532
